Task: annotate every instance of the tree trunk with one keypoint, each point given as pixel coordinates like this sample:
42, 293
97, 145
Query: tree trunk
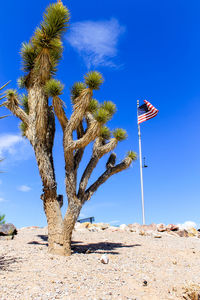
55, 222
73, 210
51, 205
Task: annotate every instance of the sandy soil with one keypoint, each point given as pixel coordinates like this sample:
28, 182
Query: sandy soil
169, 263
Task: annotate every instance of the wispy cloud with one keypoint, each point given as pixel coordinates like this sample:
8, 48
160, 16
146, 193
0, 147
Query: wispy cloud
96, 42
14, 148
2, 200
24, 188
8, 142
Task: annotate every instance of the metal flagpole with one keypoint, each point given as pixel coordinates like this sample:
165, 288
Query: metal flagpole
141, 174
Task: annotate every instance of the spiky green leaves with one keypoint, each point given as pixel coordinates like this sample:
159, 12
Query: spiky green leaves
101, 115
105, 133
46, 37
93, 80
120, 134
11, 93
93, 106
54, 88
105, 112
77, 89
28, 53
132, 155
110, 107
55, 21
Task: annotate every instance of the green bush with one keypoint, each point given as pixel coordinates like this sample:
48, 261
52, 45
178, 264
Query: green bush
2, 219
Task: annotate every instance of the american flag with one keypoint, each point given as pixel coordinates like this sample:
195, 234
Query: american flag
146, 111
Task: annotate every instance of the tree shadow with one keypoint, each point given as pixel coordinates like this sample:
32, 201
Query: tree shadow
43, 237
80, 247
6, 262
101, 247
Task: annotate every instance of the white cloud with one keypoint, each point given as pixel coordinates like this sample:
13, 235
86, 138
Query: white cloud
24, 188
8, 143
14, 148
96, 41
2, 200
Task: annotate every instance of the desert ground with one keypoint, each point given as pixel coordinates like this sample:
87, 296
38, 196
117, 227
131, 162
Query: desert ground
140, 266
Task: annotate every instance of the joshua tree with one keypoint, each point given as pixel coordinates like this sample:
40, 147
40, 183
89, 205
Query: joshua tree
40, 57
86, 110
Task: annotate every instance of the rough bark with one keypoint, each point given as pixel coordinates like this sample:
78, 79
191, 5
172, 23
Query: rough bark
73, 210
40, 131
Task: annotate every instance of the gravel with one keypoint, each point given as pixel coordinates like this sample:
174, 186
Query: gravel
139, 267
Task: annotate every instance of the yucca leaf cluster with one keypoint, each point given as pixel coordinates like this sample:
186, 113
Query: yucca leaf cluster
54, 88
76, 90
132, 155
105, 133
46, 40
104, 112
93, 80
11, 93
120, 134
93, 106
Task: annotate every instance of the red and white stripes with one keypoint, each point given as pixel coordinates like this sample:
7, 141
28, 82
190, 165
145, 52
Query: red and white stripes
151, 113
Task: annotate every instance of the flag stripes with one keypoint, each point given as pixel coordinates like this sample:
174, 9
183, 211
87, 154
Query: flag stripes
146, 111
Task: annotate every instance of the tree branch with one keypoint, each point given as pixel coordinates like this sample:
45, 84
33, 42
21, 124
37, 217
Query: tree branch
13, 105
98, 151
80, 108
59, 111
79, 153
104, 177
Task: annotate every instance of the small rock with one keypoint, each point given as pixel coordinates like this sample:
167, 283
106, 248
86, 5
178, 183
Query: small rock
123, 227
8, 229
161, 227
145, 283
150, 227
142, 232
172, 227
102, 226
192, 232
134, 227
156, 235
182, 233
104, 259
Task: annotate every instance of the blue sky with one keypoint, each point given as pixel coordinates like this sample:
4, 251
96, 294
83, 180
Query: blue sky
145, 50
